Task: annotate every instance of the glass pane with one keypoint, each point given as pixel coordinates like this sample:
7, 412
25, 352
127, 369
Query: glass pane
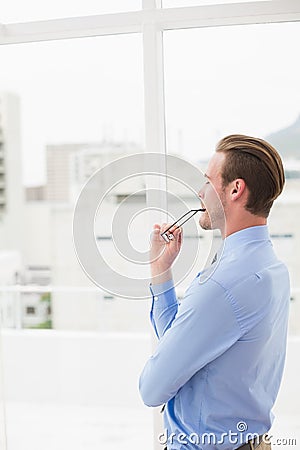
63, 389
15, 11
178, 3
242, 79
245, 80
2, 395
232, 78
67, 109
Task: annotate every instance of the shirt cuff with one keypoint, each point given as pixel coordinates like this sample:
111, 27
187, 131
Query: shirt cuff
163, 295
162, 288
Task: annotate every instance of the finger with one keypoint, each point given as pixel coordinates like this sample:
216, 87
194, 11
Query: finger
173, 236
164, 227
179, 239
155, 234
177, 231
173, 228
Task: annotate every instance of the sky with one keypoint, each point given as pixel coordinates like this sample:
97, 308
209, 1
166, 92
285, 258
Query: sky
80, 90
242, 79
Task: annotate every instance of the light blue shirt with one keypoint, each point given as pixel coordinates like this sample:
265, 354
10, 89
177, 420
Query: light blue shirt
221, 351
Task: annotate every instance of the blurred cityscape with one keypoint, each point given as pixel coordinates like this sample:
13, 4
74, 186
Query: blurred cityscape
36, 247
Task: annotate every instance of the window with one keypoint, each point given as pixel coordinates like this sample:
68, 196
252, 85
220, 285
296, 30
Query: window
176, 3
239, 79
31, 10
30, 310
70, 107
72, 101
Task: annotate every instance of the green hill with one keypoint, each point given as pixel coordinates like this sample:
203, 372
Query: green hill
287, 140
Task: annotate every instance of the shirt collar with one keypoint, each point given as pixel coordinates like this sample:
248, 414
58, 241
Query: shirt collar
257, 233
232, 242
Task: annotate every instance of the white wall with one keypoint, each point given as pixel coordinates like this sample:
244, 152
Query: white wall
289, 394
98, 368
45, 369
73, 367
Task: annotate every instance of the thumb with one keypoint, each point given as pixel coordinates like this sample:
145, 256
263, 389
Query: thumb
155, 232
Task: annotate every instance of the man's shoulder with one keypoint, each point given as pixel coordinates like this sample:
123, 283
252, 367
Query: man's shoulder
240, 264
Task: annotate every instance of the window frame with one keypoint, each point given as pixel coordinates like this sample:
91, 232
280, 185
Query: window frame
151, 21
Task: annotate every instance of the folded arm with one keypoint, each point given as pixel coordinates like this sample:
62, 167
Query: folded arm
204, 327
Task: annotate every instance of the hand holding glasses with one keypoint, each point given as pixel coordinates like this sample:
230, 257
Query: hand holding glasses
179, 222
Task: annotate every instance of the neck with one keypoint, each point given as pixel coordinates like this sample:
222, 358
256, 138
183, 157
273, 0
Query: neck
245, 221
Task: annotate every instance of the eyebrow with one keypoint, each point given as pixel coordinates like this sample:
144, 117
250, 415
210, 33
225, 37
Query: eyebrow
206, 176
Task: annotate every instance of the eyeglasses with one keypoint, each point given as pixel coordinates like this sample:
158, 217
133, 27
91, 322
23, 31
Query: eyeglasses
179, 222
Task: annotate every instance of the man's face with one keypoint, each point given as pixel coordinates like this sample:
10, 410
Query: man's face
213, 196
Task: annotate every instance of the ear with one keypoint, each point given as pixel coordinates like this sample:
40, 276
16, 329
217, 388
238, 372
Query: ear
237, 189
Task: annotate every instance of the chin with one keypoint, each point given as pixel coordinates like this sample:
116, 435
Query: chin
205, 224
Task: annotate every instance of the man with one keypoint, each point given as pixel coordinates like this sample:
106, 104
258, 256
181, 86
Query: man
220, 355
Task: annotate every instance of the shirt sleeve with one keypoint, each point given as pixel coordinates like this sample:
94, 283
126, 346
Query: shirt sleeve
204, 327
164, 306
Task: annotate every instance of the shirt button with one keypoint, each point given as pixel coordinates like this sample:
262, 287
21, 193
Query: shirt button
155, 297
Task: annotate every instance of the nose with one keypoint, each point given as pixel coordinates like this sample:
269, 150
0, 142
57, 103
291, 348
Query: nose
200, 193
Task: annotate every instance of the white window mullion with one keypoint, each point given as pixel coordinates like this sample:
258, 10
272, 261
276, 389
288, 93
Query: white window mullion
153, 15
155, 137
229, 14
74, 27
